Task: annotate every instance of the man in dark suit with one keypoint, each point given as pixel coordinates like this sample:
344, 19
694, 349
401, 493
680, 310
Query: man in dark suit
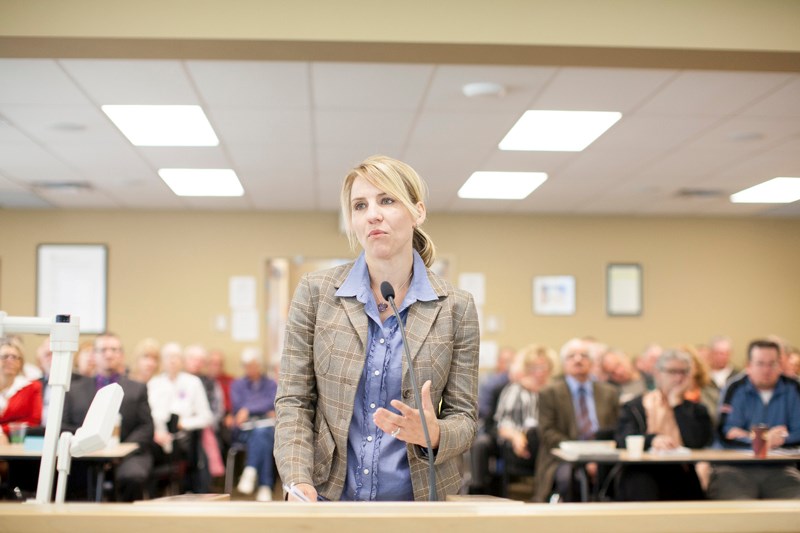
572, 408
137, 424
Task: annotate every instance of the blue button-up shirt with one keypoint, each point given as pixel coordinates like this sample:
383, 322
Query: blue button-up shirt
377, 463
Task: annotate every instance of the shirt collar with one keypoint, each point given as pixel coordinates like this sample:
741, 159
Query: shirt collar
357, 283
574, 385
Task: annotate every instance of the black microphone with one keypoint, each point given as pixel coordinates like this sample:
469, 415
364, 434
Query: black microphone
387, 291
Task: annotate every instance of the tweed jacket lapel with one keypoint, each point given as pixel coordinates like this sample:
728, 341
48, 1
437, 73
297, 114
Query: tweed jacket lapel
358, 319
421, 317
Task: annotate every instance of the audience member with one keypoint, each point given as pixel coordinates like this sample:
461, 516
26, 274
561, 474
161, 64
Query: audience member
20, 398
253, 400
132, 473
180, 411
146, 360
85, 360
617, 369
646, 363
216, 370
793, 363
784, 347
490, 386
719, 361
517, 414
195, 358
701, 389
761, 396
667, 422
572, 408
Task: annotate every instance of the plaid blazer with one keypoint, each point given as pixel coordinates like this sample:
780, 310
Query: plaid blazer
324, 357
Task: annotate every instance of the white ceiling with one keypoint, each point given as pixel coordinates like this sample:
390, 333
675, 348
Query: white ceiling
291, 130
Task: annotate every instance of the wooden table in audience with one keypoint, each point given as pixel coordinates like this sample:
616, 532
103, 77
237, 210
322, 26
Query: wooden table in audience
97, 460
712, 456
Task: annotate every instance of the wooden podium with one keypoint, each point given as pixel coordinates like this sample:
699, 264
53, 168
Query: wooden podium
406, 517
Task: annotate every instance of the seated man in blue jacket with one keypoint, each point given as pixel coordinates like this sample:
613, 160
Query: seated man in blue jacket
762, 396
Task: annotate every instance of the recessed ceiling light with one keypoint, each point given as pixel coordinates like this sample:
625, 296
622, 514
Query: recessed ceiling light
501, 185
558, 131
781, 190
202, 181
163, 125
482, 89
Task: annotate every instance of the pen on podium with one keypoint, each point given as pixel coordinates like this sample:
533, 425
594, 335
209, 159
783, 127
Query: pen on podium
291, 489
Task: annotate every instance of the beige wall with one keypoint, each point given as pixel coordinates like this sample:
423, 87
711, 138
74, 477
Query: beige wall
765, 25
169, 271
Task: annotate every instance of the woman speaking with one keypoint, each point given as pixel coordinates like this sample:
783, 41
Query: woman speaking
348, 427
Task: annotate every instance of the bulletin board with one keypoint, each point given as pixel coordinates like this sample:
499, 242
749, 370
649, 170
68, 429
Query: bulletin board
72, 279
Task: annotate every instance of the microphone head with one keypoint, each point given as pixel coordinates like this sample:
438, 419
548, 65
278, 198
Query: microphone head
387, 291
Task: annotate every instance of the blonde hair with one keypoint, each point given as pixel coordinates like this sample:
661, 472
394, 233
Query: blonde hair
529, 356
398, 180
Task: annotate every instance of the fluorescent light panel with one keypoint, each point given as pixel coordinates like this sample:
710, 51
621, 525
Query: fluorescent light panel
501, 185
783, 190
163, 125
202, 181
558, 131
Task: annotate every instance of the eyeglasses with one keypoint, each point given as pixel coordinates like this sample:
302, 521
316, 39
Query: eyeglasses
677, 371
771, 365
577, 355
13, 357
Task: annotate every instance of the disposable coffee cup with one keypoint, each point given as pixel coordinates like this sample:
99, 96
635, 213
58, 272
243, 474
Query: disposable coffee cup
17, 432
635, 446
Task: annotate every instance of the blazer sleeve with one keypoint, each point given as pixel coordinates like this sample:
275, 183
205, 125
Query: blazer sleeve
458, 418
297, 391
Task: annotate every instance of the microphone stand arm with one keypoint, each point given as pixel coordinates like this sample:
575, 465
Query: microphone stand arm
418, 399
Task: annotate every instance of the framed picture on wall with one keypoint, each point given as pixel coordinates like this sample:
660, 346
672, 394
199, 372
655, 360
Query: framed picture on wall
71, 279
554, 295
624, 289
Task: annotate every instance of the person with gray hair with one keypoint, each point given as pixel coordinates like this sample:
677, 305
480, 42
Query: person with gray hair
253, 404
668, 422
574, 407
180, 411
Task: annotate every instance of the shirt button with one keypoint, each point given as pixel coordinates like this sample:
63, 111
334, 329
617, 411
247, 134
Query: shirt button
369, 438
366, 471
406, 394
382, 341
372, 406
377, 372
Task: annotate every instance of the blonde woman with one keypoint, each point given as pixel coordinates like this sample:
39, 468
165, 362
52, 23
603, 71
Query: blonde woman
348, 427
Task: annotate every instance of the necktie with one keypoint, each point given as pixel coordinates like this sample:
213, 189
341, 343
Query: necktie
584, 422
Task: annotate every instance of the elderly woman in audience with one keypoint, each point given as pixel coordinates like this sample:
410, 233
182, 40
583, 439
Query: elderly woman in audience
20, 398
517, 413
668, 423
180, 411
